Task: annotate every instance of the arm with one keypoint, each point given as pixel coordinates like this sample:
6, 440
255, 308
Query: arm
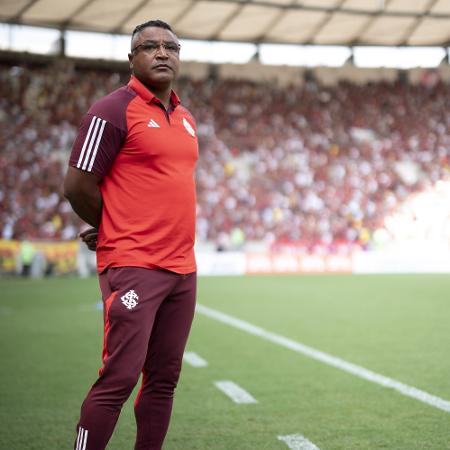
83, 193
93, 152
100, 137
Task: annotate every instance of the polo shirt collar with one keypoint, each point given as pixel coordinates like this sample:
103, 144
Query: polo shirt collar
147, 95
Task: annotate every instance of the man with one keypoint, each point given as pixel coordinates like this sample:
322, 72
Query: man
131, 176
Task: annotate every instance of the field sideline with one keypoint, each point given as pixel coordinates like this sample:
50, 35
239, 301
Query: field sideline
393, 325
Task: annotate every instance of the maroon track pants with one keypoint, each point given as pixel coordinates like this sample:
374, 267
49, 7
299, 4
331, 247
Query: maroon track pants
147, 318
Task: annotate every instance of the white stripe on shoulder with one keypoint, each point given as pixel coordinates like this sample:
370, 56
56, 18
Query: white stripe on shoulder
94, 154
91, 143
86, 141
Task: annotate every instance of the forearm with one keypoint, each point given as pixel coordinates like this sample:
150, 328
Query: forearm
82, 190
88, 206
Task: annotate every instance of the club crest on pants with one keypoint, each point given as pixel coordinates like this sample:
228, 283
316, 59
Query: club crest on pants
130, 299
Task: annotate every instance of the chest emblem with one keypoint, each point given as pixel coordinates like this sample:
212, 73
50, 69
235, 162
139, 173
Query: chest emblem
152, 124
188, 127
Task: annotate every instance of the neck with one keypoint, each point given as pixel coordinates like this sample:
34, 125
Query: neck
161, 93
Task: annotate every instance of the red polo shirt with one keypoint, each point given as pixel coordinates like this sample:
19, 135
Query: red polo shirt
146, 157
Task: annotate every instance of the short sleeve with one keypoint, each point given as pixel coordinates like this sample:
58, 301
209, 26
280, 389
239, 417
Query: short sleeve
96, 145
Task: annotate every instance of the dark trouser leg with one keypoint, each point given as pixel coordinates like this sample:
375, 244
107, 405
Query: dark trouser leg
153, 405
128, 326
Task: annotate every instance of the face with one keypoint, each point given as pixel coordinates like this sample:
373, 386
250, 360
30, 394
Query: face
155, 58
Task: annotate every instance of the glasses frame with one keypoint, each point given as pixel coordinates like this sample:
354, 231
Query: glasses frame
158, 47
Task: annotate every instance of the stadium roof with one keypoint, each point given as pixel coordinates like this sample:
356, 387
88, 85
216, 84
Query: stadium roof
324, 22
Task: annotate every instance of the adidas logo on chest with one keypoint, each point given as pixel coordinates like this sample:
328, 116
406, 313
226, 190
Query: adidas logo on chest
152, 124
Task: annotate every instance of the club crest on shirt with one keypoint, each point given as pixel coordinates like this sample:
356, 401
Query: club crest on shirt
188, 127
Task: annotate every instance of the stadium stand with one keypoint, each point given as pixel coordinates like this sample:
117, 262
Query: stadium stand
313, 164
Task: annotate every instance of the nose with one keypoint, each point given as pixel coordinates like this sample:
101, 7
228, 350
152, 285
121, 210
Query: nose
161, 51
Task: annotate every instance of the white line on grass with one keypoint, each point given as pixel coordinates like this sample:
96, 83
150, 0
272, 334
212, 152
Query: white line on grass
235, 392
297, 442
194, 359
326, 358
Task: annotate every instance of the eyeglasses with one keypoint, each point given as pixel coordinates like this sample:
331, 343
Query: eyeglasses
153, 47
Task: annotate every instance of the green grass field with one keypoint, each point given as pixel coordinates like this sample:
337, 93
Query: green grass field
397, 326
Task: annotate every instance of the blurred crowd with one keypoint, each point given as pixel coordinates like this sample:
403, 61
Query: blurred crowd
310, 164
40, 110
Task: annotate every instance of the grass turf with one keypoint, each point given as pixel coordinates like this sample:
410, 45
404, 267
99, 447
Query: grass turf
396, 325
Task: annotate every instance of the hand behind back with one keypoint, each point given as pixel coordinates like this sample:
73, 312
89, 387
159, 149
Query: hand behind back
89, 237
